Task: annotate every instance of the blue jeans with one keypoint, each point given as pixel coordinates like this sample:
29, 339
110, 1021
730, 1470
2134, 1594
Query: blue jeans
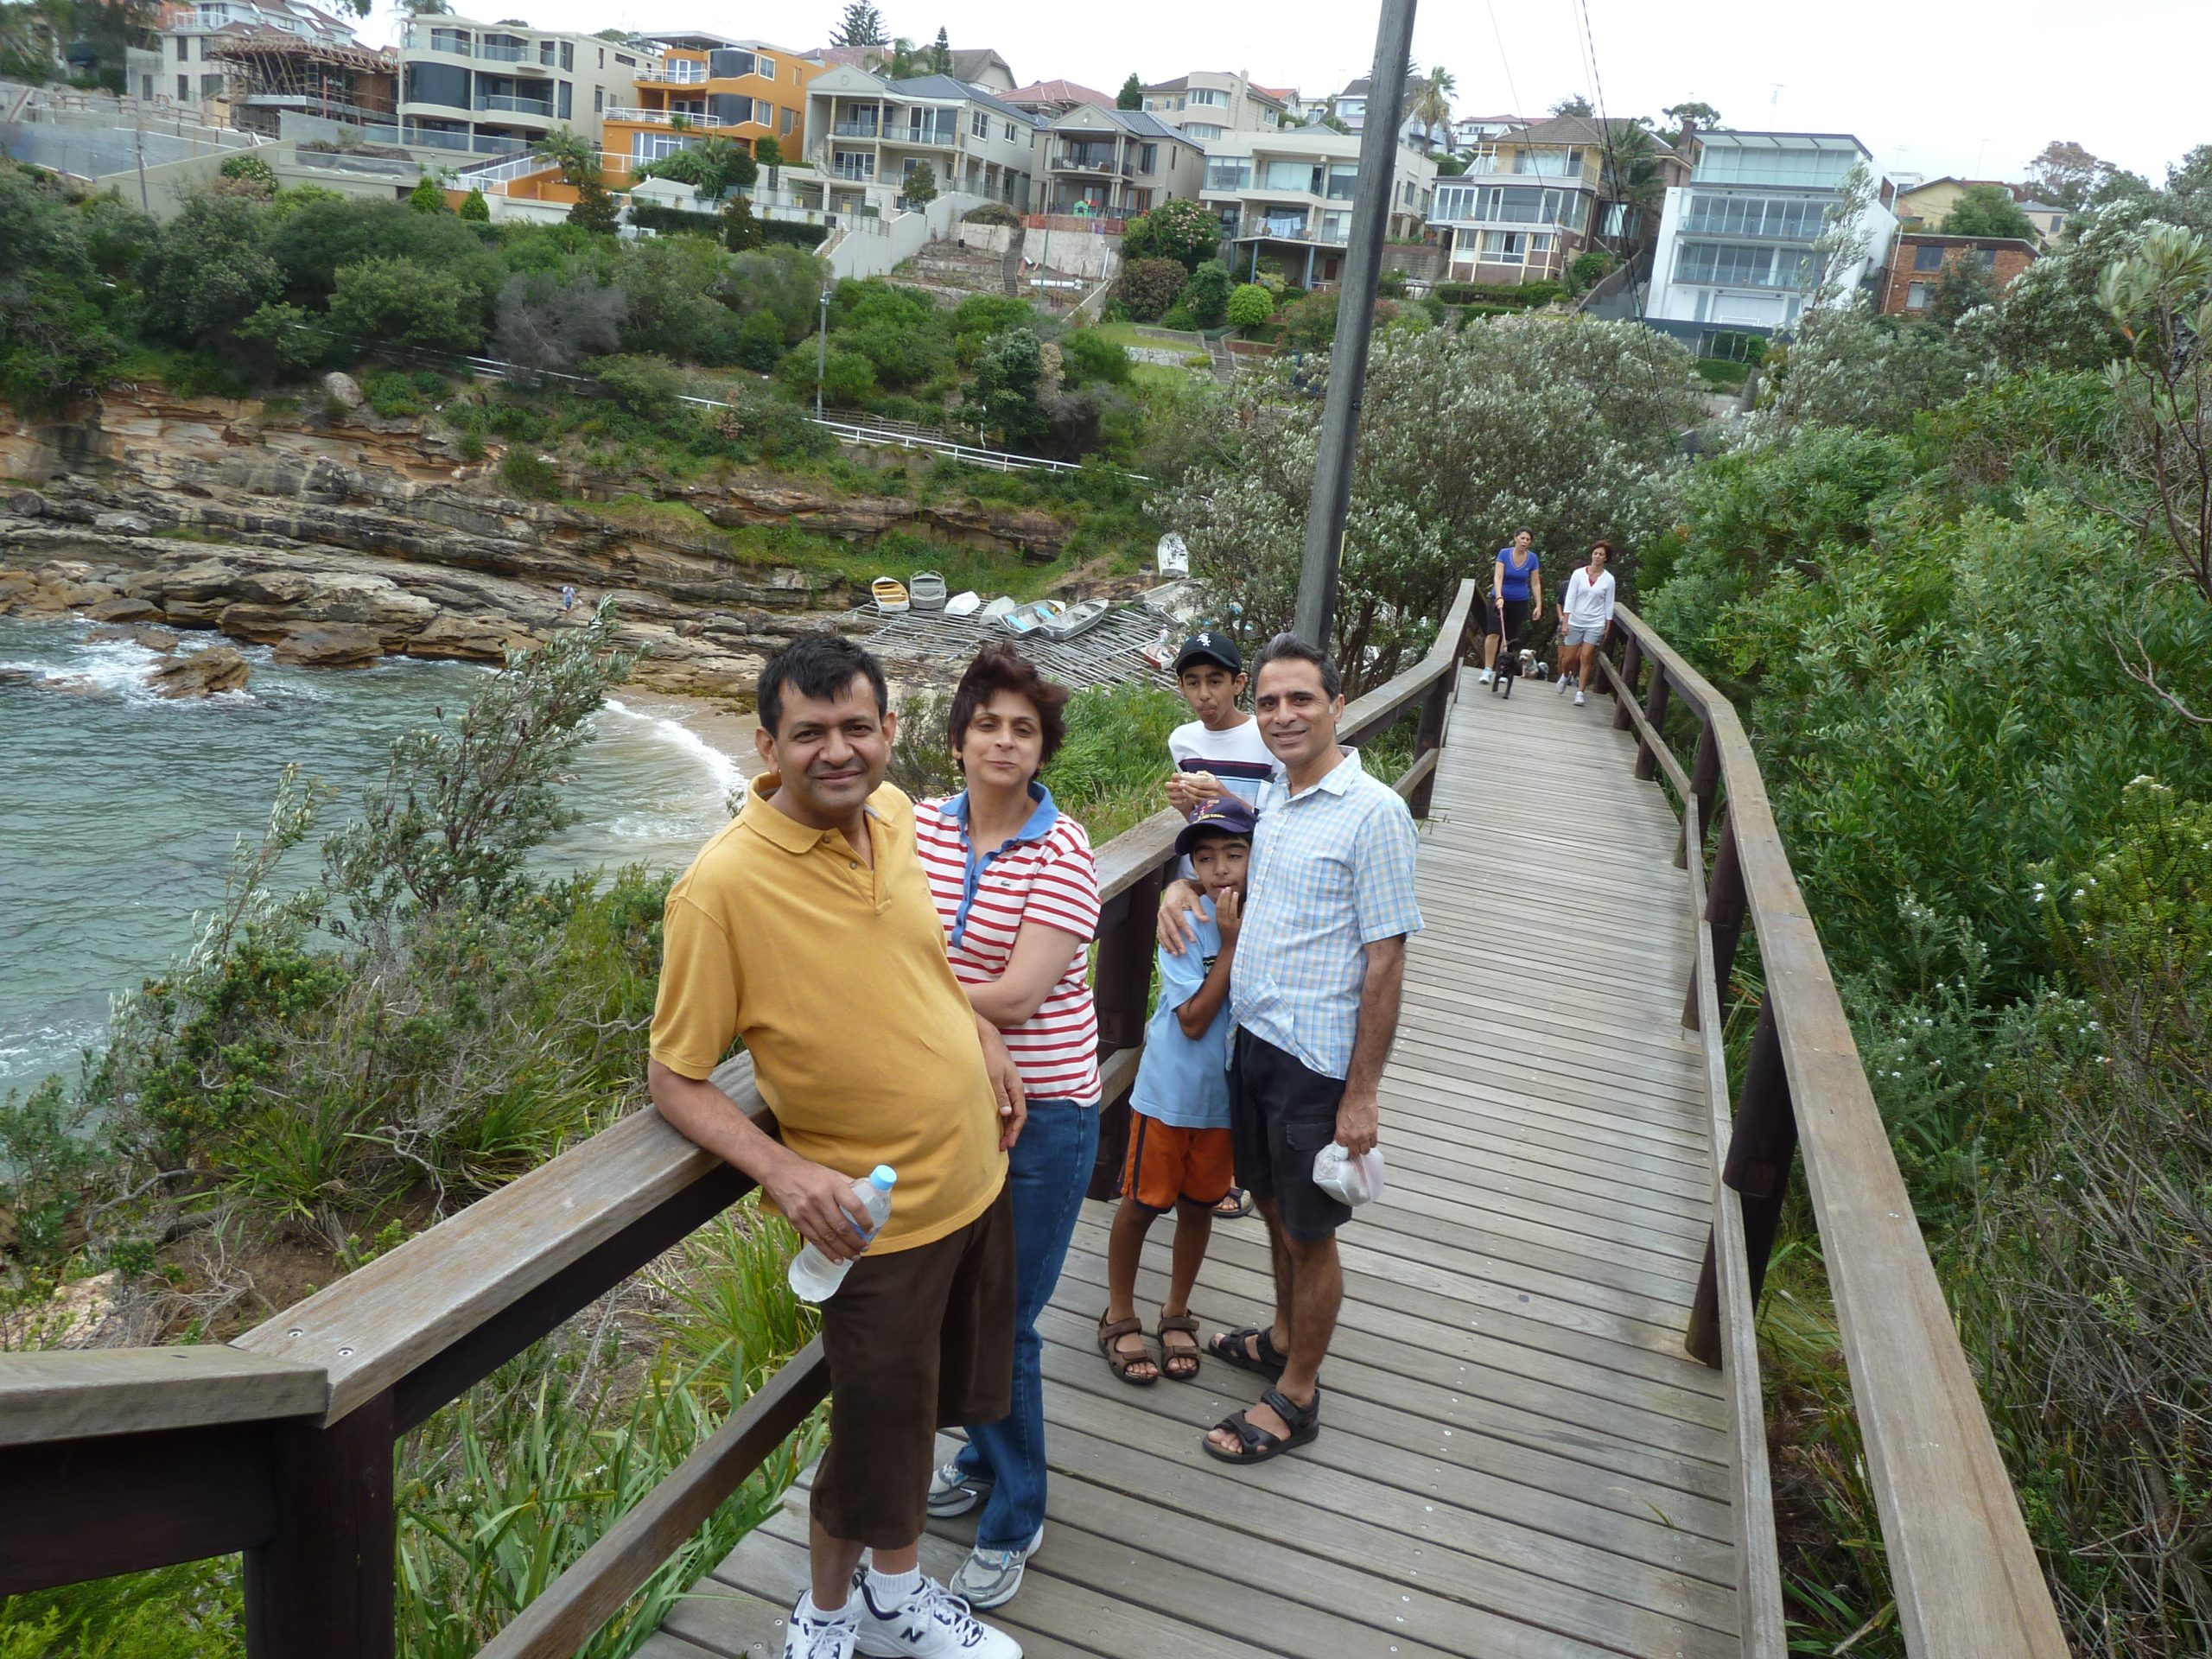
1047, 1172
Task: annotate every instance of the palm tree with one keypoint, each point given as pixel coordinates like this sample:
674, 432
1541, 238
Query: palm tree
1431, 102
1631, 175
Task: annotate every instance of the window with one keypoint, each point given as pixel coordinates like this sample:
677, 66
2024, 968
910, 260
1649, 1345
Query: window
1210, 95
602, 57
1791, 219
568, 56
449, 40
210, 86
1201, 131
146, 88
1917, 295
768, 67
1009, 132
599, 100
545, 53
1336, 227
1720, 263
184, 89
1724, 163
1291, 176
1503, 248
1987, 256
1548, 163
1507, 204
184, 48
1229, 173
652, 146
979, 124
1344, 181
625, 59
1148, 158
1927, 256
568, 94
789, 121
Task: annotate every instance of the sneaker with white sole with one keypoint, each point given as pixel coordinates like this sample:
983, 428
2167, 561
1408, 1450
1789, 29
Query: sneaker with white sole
814, 1635
930, 1624
989, 1577
1488, 676
953, 1491
1566, 685
1578, 698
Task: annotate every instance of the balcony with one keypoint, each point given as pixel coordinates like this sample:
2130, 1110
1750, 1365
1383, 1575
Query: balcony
853, 172
682, 72
1100, 161
663, 118
855, 130
924, 138
505, 104
504, 53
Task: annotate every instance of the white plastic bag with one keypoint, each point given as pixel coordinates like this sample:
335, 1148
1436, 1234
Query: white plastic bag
1347, 1178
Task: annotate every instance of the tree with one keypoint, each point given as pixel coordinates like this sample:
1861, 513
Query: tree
1430, 102
1251, 305
768, 153
1965, 285
1632, 177
713, 168
407, 303
549, 320
210, 269
429, 196
1561, 427
1004, 394
1205, 296
941, 53
1987, 210
920, 187
648, 386
741, 230
1148, 287
1573, 104
1178, 230
474, 208
2066, 176
861, 25
1682, 116
1131, 97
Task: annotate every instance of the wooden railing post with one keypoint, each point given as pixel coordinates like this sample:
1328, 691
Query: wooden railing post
1762, 1146
1704, 784
324, 1586
1655, 711
1724, 913
1430, 735
1632, 662
1121, 992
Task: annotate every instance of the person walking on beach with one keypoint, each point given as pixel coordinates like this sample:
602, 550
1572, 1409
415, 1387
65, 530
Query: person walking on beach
1586, 617
1314, 987
1017, 896
806, 929
1517, 599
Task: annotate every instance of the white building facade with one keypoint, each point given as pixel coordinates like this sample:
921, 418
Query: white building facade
493, 88
1287, 197
868, 134
1208, 104
1735, 246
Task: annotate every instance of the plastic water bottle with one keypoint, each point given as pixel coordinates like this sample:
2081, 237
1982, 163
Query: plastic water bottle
814, 1277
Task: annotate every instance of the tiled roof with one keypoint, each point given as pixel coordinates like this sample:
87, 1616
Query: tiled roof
1058, 91
948, 87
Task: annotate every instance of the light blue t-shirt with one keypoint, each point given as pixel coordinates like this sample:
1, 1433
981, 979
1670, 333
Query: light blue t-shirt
1184, 1081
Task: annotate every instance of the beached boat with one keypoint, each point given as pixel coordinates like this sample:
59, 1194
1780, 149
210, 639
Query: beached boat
926, 588
890, 595
1075, 619
1025, 620
965, 604
999, 607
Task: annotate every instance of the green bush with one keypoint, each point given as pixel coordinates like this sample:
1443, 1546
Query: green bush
1148, 286
474, 208
1205, 296
1721, 372
404, 303
760, 341
528, 473
649, 387
1251, 305
392, 395
1089, 358
1588, 267
1185, 232
250, 167
429, 196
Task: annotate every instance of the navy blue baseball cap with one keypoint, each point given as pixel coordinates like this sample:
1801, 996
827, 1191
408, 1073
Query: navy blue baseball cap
1209, 646
1224, 815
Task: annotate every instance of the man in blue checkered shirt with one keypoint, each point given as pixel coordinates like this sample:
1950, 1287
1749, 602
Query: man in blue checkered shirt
1313, 990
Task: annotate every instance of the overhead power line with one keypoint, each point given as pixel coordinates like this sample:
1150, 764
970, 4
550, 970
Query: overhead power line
1498, 36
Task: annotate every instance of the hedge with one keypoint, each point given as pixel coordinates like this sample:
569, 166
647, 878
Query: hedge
651, 216
1524, 294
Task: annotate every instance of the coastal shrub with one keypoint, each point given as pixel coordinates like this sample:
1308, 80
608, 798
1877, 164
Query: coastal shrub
404, 303
649, 387
250, 167
1182, 231
209, 270
528, 473
760, 341
785, 282
1588, 268
392, 395
312, 245
670, 284
1149, 286
1250, 305
1309, 322
474, 208
429, 196
549, 320
1003, 399
1090, 357
1205, 296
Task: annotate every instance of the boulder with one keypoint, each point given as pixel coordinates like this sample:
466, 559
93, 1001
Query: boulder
328, 645
200, 675
160, 640
121, 524
342, 390
124, 610
464, 639
26, 504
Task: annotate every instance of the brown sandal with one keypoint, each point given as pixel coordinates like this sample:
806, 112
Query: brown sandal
1109, 1339
1192, 1357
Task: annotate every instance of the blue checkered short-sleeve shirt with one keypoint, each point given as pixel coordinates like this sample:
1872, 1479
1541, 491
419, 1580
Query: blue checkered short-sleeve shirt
1332, 871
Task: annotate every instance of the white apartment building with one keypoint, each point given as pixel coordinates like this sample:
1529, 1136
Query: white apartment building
867, 134
1288, 196
1735, 246
493, 88
1209, 103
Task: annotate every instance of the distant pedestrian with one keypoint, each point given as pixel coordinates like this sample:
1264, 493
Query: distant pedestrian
1517, 599
1587, 617
567, 597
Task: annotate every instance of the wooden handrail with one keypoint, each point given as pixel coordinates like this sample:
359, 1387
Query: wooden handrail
1965, 1575
280, 1445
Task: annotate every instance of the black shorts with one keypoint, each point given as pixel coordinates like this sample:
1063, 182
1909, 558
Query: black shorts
1516, 619
1280, 1114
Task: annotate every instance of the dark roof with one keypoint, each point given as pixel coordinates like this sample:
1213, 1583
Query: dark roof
1180, 84
969, 62
1058, 91
948, 87
1583, 129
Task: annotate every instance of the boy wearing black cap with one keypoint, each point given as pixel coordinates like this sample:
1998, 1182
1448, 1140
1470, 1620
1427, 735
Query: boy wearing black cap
1181, 1157
1220, 752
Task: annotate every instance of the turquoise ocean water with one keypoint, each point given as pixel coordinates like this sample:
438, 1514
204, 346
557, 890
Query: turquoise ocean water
118, 811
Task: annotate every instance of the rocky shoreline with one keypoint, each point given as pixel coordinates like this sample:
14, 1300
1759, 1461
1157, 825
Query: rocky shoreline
338, 545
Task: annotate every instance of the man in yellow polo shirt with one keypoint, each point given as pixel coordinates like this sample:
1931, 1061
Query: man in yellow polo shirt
806, 928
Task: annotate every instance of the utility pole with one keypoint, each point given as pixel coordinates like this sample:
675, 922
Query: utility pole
1370, 222
821, 354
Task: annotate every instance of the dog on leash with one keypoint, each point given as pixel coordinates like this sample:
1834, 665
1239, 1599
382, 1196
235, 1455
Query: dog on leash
1514, 665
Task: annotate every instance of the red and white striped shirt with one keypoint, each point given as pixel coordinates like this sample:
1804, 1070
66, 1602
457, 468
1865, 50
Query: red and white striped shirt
1045, 873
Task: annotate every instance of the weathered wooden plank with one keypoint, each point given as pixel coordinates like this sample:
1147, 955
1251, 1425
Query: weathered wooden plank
62, 1395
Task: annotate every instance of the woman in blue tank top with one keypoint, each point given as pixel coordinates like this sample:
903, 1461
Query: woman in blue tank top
1516, 598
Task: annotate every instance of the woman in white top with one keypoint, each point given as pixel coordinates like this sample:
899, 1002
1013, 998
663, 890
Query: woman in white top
1586, 617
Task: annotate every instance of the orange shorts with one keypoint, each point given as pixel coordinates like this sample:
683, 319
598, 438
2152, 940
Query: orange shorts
1166, 1164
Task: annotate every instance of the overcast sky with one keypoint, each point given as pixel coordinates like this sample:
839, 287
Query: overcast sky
1963, 86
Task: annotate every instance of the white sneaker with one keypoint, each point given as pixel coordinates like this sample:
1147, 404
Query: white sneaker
1566, 685
814, 1635
1578, 698
1488, 676
953, 1491
989, 1577
930, 1624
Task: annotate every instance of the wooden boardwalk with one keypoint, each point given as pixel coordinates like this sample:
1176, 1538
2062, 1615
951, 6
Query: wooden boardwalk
1518, 1459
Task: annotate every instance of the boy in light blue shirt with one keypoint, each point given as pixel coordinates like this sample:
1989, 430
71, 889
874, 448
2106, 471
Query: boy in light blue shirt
1181, 1157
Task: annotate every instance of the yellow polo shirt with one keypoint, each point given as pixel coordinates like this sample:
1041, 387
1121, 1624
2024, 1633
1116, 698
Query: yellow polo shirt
836, 976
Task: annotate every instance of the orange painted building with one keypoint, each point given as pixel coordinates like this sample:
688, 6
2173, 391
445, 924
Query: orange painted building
745, 90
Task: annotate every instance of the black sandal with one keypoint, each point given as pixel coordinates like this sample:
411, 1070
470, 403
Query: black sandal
1256, 1445
1234, 1205
1229, 1348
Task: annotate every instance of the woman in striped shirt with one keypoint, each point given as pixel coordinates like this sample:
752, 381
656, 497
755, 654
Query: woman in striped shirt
1017, 893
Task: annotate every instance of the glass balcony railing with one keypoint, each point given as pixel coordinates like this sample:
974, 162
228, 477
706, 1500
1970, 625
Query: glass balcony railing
684, 72
506, 104
501, 53
854, 128
853, 172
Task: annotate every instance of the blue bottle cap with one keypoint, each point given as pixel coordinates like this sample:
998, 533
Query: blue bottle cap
883, 1178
